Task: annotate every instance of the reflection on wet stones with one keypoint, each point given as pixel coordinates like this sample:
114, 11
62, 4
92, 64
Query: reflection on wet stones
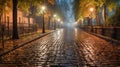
64, 50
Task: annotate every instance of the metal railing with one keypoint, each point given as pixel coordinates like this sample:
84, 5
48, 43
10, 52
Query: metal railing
22, 29
112, 32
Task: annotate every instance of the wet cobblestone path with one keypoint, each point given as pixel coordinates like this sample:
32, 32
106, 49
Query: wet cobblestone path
65, 48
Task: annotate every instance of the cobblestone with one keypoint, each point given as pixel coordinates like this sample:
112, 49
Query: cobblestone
65, 48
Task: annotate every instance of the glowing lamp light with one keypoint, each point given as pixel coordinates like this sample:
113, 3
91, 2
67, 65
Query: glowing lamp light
91, 9
58, 20
54, 15
43, 8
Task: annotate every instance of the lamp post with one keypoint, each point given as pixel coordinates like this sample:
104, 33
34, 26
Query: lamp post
43, 24
54, 16
61, 23
91, 10
58, 22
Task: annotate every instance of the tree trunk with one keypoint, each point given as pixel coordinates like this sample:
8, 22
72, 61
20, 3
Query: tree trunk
15, 27
97, 17
0, 26
105, 14
4, 19
43, 24
0, 19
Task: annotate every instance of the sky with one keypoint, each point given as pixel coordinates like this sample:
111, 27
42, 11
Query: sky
67, 11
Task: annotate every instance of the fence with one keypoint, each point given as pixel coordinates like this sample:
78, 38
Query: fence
23, 28
113, 32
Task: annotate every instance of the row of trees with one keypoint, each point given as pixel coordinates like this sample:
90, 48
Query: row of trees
30, 8
81, 9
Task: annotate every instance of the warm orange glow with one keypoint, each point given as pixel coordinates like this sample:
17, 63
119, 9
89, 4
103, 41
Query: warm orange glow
54, 15
43, 8
39, 30
58, 20
91, 9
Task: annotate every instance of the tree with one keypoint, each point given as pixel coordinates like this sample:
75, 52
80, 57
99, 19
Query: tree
76, 8
15, 27
29, 7
106, 4
84, 5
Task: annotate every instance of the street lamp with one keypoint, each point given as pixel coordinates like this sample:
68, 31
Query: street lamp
54, 16
91, 10
43, 8
58, 19
43, 27
58, 24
